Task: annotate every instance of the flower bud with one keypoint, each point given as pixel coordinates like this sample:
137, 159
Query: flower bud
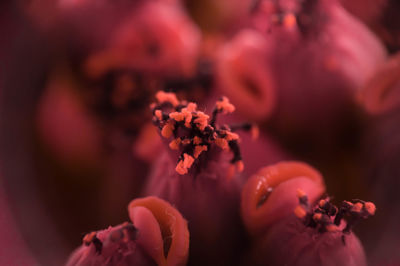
320, 56
199, 174
315, 235
270, 195
158, 235
156, 38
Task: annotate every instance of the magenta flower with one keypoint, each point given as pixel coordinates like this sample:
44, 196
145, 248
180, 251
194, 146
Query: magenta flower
246, 79
199, 174
315, 235
158, 235
320, 56
381, 94
156, 37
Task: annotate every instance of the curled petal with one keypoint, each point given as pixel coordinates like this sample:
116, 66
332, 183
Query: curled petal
163, 231
243, 76
270, 194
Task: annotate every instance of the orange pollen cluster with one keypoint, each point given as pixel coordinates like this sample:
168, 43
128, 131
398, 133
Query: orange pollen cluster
225, 106
326, 217
170, 97
183, 165
193, 131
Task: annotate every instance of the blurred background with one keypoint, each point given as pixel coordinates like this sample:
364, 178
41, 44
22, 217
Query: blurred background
320, 78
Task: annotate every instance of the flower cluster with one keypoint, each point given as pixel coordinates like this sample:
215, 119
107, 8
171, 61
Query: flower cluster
224, 123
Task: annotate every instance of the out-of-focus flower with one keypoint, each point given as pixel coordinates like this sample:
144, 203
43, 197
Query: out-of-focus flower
221, 17
381, 153
315, 235
13, 249
157, 38
381, 16
381, 94
158, 235
199, 175
270, 194
244, 75
64, 124
341, 53
369, 11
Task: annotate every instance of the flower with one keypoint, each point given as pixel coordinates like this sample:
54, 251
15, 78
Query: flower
198, 175
319, 61
158, 235
244, 76
315, 235
156, 38
381, 93
269, 195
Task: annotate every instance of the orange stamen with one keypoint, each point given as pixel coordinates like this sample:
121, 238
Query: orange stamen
177, 116
198, 150
332, 228
202, 120
357, 207
170, 97
317, 216
174, 145
158, 114
167, 130
197, 140
231, 136
239, 166
300, 212
289, 21
191, 107
370, 207
255, 132
300, 193
225, 106
88, 238
222, 143
185, 164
